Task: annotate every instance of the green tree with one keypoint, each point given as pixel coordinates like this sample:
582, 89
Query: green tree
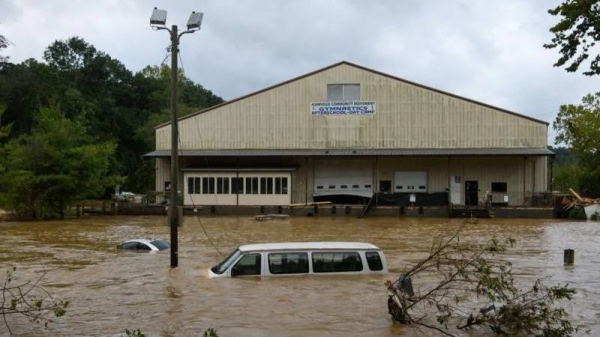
578, 127
54, 165
3, 44
576, 34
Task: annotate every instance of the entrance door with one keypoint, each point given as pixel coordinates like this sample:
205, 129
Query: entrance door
455, 192
471, 192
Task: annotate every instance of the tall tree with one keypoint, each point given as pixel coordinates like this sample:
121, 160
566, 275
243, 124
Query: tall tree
57, 163
576, 34
578, 127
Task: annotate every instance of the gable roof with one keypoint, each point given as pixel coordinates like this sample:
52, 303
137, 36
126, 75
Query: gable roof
362, 68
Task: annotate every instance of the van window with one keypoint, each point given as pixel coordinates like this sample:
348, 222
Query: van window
288, 263
247, 265
374, 261
336, 262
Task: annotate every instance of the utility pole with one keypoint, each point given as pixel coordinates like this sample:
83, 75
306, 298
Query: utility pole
157, 22
174, 209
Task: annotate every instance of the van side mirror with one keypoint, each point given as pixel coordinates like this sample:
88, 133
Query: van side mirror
235, 271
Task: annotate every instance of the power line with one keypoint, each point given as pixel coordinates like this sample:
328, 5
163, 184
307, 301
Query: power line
206, 160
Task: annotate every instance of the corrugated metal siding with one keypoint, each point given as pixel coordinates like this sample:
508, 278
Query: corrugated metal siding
484, 170
163, 171
407, 116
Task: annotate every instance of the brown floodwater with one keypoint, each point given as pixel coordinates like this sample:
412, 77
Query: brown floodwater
113, 290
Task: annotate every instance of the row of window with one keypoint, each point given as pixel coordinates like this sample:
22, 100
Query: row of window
236, 185
297, 263
320, 187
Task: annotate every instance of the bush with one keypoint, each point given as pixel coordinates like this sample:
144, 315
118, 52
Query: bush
577, 213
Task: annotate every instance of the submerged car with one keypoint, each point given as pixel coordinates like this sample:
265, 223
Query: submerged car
302, 258
145, 244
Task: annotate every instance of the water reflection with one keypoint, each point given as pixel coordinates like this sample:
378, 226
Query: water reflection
112, 290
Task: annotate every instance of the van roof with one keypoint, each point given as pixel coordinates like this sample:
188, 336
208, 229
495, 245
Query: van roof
307, 246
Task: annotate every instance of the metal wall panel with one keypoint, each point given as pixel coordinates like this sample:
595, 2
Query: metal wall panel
407, 116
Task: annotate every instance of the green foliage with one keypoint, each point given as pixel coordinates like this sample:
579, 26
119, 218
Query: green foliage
579, 127
576, 34
134, 333
3, 44
56, 164
210, 332
564, 156
473, 288
112, 103
577, 213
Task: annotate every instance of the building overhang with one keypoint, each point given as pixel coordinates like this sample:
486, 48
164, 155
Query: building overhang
522, 151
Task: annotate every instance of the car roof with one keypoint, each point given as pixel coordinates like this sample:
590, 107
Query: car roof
140, 241
333, 245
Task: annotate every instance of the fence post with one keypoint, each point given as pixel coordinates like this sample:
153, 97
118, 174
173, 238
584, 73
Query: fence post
78, 210
569, 256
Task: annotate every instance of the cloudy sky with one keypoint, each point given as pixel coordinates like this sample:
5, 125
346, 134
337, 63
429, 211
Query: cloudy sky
487, 50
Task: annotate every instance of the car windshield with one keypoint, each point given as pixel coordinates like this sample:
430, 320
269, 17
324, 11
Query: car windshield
160, 244
224, 265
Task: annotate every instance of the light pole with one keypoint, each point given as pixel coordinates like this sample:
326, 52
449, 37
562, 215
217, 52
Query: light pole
158, 21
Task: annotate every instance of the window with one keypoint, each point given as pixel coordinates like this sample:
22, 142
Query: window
208, 185
263, 185
278, 186
336, 262
197, 185
130, 245
237, 185
193, 185
367, 186
343, 92
160, 244
284, 185
222, 267
318, 187
422, 187
344, 186
398, 187
499, 187
288, 263
248, 265
355, 186
269, 185
331, 186
223, 185
252, 185
374, 261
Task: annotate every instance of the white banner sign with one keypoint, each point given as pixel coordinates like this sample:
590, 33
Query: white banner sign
342, 108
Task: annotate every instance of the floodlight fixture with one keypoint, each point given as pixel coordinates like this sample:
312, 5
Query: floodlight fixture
159, 17
195, 21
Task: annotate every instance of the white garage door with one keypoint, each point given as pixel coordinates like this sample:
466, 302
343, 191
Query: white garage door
343, 177
410, 181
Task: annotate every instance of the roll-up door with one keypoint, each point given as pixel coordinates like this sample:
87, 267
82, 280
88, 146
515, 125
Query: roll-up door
343, 177
410, 182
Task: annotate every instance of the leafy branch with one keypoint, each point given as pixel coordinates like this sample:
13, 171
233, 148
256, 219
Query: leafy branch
467, 286
29, 300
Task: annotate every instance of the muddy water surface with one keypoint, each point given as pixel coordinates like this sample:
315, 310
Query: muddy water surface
111, 290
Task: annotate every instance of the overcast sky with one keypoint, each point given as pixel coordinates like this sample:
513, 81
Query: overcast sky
489, 51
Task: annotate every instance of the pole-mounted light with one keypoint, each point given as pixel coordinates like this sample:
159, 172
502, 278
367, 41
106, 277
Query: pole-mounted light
158, 21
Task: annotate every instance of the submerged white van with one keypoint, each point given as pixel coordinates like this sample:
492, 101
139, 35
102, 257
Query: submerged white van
302, 258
